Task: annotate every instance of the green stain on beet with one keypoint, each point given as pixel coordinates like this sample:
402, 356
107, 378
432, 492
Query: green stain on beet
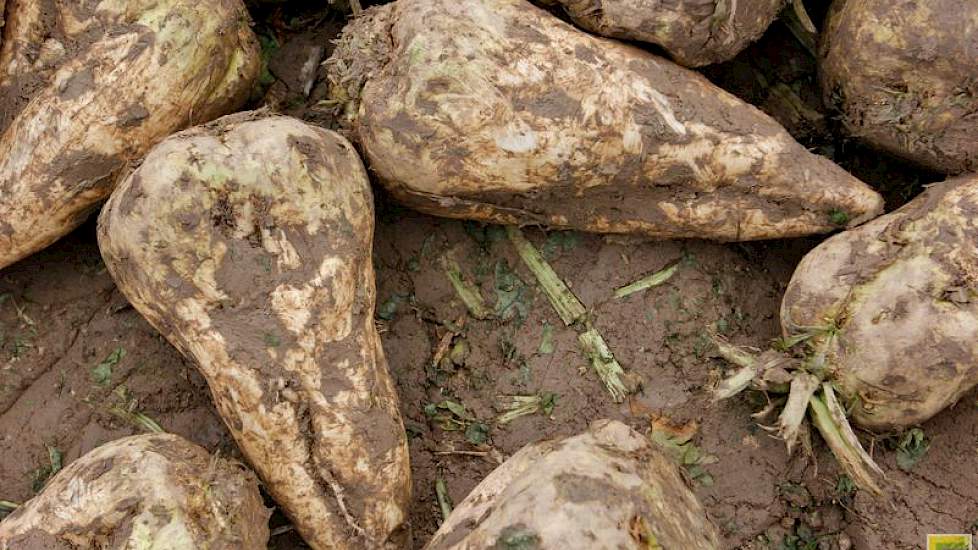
517, 537
838, 217
272, 340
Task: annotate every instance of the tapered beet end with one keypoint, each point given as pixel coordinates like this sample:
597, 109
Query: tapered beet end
495, 110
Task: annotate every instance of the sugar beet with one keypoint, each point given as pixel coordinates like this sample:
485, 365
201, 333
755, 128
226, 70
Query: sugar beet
892, 306
692, 32
88, 87
605, 488
143, 491
903, 75
495, 110
247, 243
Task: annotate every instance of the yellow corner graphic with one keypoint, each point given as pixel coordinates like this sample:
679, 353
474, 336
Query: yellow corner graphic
949, 542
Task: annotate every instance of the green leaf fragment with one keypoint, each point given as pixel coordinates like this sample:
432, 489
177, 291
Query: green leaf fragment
785, 344
56, 459
444, 502
269, 45
699, 474
547, 339
511, 293
102, 373
456, 408
41, 475
137, 419
477, 433
548, 400
722, 325
272, 340
838, 217
682, 451
558, 241
459, 352
706, 479
388, 309
517, 537
913, 446
845, 487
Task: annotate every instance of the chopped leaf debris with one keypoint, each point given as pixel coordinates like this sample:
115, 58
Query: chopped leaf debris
912, 447
651, 281
676, 442
515, 406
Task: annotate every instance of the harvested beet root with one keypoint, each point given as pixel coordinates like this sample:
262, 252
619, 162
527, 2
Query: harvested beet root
495, 110
247, 244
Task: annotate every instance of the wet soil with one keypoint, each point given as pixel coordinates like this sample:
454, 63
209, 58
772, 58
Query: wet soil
62, 318
63, 380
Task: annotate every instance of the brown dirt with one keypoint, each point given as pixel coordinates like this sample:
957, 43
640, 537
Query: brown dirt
61, 317
79, 319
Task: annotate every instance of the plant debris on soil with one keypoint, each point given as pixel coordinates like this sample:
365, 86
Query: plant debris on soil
50, 400
473, 340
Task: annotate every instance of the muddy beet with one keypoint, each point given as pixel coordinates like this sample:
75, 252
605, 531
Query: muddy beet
692, 33
65, 386
582, 133
245, 243
85, 91
145, 491
903, 76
